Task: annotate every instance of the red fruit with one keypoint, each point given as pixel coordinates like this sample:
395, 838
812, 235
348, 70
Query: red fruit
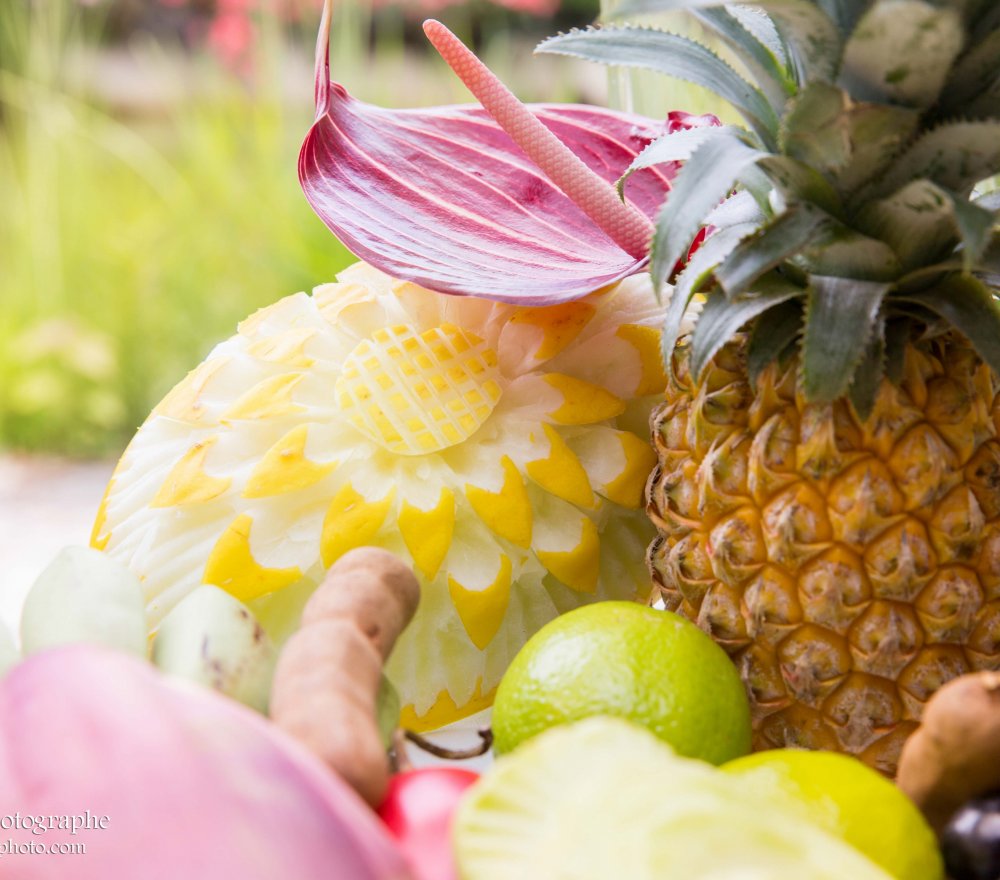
418, 811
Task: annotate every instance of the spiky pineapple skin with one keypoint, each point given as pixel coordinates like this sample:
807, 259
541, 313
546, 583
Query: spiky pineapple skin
849, 568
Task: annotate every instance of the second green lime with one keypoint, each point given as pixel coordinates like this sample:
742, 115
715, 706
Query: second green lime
619, 658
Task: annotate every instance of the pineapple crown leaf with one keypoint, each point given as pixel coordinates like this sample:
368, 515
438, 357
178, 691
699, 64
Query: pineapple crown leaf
973, 75
784, 237
697, 274
923, 220
757, 47
845, 13
674, 147
869, 371
673, 55
809, 35
721, 319
901, 51
897, 337
769, 341
704, 181
956, 155
840, 318
969, 306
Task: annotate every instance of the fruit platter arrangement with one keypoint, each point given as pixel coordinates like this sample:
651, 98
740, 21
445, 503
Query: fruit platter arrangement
675, 442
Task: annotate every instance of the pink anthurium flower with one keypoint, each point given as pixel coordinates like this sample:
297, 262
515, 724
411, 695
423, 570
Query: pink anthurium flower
111, 771
503, 201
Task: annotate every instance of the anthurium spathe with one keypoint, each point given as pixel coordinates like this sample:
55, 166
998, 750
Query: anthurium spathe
166, 781
448, 199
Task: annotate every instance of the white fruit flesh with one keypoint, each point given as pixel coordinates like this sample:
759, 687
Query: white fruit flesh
84, 596
603, 798
213, 639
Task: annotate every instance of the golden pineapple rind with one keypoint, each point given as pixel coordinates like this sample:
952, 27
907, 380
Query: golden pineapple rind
850, 569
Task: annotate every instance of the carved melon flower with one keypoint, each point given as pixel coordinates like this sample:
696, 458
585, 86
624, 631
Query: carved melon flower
501, 448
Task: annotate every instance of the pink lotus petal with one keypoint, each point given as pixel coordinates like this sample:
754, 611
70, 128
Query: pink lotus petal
444, 198
194, 786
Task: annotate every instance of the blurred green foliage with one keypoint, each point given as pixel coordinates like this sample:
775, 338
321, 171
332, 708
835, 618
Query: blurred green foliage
150, 199
128, 247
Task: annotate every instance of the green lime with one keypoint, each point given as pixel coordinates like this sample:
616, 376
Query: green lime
851, 800
619, 658
603, 798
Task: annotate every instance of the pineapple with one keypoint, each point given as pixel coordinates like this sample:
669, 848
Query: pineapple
500, 449
827, 493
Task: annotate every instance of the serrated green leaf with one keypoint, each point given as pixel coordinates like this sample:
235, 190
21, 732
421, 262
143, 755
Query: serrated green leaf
806, 30
721, 319
696, 274
812, 38
796, 181
970, 307
840, 316
784, 237
897, 338
901, 53
844, 13
986, 105
956, 155
672, 55
975, 72
675, 147
848, 254
738, 208
869, 373
815, 129
770, 337
759, 23
986, 20
923, 222
975, 225
758, 58
878, 132
704, 181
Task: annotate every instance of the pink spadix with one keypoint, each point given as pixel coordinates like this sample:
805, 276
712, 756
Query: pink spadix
627, 227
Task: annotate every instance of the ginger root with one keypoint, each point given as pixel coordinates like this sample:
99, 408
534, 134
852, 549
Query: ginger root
954, 755
327, 678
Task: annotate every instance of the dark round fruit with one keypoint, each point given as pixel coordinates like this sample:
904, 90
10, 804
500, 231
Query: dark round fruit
971, 840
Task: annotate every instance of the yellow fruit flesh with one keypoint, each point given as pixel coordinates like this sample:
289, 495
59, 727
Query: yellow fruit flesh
849, 569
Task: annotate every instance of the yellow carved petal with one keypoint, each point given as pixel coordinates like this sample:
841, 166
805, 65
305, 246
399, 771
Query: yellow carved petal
444, 711
428, 533
267, 399
183, 402
286, 348
285, 468
187, 482
560, 325
232, 567
577, 568
351, 521
507, 513
583, 402
628, 488
98, 537
646, 340
561, 473
482, 611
